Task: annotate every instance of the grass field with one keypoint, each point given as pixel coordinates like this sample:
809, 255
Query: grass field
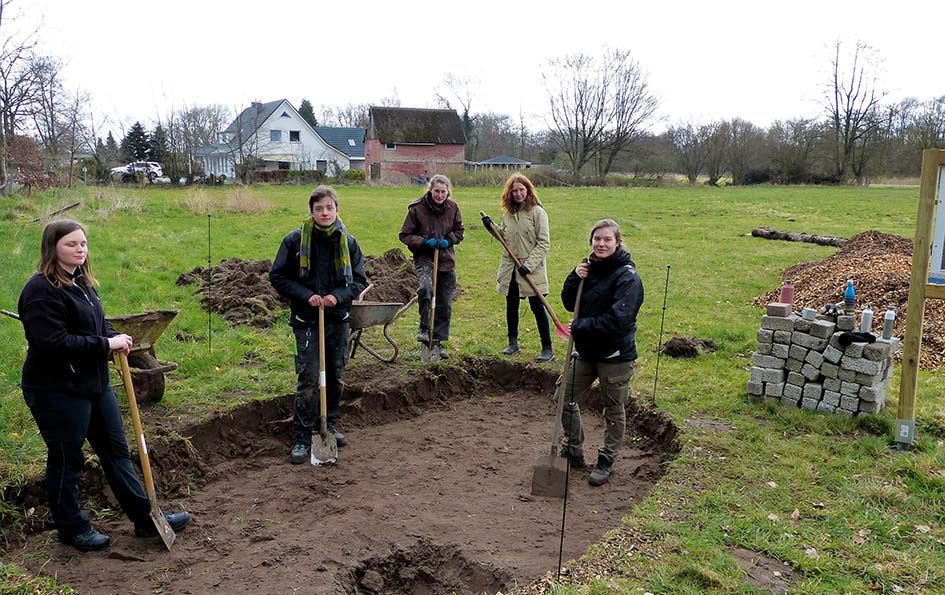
826, 494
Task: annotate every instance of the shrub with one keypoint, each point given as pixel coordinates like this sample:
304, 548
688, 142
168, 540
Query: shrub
354, 175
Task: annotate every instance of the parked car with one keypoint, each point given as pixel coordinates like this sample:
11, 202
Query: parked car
151, 169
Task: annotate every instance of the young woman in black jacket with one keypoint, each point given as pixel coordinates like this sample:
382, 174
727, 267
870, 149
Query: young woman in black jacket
66, 385
605, 340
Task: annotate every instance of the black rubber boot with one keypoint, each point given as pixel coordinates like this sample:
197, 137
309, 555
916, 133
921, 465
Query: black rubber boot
512, 349
546, 355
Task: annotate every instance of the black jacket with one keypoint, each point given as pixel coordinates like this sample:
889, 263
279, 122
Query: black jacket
67, 337
322, 278
606, 327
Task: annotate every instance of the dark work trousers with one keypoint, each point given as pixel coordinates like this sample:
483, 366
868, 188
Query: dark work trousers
66, 422
307, 410
614, 380
534, 302
445, 284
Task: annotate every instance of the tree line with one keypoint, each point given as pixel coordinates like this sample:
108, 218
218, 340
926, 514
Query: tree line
600, 119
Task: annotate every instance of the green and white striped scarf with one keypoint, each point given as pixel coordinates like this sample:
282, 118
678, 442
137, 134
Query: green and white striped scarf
342, 255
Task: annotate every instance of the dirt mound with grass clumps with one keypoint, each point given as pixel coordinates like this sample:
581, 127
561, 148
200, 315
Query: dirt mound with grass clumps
880, 265
239, 290
688, 346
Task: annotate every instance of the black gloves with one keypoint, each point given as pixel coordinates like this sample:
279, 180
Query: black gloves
523, 270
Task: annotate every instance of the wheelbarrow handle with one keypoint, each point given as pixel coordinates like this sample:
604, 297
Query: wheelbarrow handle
13, 315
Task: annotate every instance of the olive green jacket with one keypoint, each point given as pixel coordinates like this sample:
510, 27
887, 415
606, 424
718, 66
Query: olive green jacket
527, 234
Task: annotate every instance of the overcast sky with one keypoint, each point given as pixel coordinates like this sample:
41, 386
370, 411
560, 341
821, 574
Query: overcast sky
761, 61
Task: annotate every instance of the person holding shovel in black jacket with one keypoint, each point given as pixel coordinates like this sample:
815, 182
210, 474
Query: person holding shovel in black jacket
433, 222
526, 231
318, 265
605, 341
68, 390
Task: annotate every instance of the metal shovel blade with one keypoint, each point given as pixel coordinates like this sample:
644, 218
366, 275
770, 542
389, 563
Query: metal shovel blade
160, 523
324, 449
550, 476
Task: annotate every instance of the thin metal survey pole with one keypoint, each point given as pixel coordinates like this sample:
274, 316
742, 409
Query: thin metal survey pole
659, 349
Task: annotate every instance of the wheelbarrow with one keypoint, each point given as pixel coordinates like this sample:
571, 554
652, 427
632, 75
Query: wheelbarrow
147, 371
366, 314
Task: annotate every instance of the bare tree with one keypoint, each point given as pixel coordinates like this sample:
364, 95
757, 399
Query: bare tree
717, 139
632, 108
353, 115
598, 106
460, 88
747, 141
852, 97
791, 146
49, 99
689, 147
17, 84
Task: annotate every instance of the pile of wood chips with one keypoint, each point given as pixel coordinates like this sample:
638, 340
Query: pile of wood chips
880, 265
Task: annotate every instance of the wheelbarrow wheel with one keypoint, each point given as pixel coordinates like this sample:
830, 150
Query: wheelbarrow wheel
148, 385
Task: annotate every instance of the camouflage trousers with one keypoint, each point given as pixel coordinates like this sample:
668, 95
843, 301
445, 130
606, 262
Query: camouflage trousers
615, 387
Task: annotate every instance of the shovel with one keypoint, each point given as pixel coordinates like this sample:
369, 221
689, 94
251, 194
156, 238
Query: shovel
324, 444
160, 522
428, 352
560, 329
550, 474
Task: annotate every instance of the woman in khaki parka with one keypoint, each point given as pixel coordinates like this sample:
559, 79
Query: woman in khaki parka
525, 227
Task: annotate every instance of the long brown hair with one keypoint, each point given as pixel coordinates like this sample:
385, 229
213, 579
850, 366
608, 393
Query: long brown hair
48, 265
531, 199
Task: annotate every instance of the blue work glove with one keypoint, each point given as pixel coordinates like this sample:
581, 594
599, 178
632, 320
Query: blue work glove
444, 244
523, 270
431, 242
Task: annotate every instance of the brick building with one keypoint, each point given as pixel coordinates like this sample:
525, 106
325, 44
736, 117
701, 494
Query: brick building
410, 144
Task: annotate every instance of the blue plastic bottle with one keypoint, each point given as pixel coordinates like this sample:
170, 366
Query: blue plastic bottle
849, 299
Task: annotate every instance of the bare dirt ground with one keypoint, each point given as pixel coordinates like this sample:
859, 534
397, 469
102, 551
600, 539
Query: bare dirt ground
431, 496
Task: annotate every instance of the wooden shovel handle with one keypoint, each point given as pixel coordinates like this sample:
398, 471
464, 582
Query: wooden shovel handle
136, 422
567, 366
322, 374
497, 234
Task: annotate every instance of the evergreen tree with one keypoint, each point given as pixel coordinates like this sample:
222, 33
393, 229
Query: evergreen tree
308, 113
158, 142
112, 152
135, 145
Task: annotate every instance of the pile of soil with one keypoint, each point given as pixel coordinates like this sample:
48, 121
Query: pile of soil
688, 346
392, 275
239, 290
880, 265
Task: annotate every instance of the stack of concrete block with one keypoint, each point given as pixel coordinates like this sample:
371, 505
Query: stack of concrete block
801, 363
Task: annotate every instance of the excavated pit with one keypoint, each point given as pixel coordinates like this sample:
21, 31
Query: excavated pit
431, 496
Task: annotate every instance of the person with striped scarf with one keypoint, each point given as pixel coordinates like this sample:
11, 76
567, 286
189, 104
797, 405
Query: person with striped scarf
319, 264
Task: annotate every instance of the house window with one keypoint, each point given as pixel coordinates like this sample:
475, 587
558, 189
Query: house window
275, 136
294, 136
390, 146
351, 142
284, 115
285, 165
321, 165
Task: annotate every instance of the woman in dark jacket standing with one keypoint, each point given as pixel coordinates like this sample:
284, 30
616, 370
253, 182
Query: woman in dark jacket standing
67, 388
605, 340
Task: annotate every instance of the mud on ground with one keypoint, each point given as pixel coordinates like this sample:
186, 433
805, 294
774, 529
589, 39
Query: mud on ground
431, 496
880, 265
240, 291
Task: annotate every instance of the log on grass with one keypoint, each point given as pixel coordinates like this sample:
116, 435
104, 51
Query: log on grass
773, 234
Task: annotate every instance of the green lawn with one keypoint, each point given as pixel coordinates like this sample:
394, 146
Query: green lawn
868, 519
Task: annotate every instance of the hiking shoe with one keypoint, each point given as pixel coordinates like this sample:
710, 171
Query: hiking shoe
512, 349
89, 541
423, 337
577, 461
438, 352
299, 454
602, 472
177, 521
546, 355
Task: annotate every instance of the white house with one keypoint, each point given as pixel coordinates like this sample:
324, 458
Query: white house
277, 137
